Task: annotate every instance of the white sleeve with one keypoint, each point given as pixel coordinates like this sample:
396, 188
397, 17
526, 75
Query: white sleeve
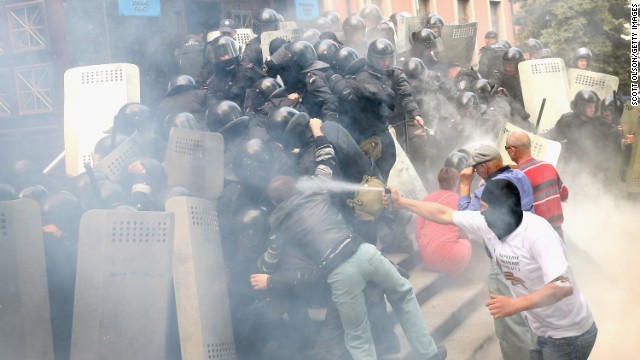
549, 252
472, 223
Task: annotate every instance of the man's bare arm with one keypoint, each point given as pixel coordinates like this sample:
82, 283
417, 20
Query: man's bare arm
429, 210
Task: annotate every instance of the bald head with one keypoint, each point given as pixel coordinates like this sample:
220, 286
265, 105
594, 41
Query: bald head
518, 146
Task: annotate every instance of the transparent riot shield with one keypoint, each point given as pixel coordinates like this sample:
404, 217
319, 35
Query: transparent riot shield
25, 321
541, 148
124, 286
407, 26
630, 118
116, 163
459, 43
630, 122
195, 160
544, 79
202, 299
403, 175
292, 34
92, 97
604, 85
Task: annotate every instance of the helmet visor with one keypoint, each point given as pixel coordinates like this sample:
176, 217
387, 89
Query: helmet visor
382, 62
225, 51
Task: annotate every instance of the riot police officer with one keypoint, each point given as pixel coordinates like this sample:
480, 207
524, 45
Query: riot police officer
264, 20
354, 29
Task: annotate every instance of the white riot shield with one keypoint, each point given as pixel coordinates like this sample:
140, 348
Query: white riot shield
195, 160
116, 163
630, 118
242, 35
459, 43
604, 85
287, 34
541, 148
633, 172
202, 299
544, 79
404, 177
124, 286
407, 26
25, 321
92, 97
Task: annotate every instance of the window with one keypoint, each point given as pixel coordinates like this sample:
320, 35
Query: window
495, 16
34, 89
27, 26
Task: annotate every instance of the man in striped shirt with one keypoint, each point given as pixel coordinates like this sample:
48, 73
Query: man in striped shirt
548, 190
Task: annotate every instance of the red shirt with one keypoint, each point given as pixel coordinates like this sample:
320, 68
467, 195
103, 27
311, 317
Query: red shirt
548, 190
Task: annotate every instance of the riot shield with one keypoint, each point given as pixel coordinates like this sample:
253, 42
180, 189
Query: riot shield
403, 175
92, 97
124, 290
287, 34
202, 299
544, 79
242, 35
630, 118
116, 163
541, 148
407, 26
288, 25
604, 85
25, 321
195, 160
459, 43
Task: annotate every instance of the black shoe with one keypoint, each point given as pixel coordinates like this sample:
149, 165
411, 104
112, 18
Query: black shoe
442, 353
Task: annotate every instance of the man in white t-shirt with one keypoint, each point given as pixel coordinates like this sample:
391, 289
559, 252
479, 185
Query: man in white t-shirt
532, 259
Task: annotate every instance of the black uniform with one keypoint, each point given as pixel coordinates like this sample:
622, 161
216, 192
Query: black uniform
233, 85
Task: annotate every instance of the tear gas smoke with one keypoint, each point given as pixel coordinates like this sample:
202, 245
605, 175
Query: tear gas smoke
310, 184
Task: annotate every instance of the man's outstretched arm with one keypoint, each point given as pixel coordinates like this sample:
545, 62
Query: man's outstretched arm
429, 210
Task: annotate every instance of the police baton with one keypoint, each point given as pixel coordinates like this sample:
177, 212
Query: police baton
544, 100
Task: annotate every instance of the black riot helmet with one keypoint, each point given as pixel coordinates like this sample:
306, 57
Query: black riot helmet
457, 160
224, 53
354, 28
435, 24
34, 192
333, 16
266, 86
311, 35
265, 20
467, 102
321, 23
132, 117
381, 55
325, 49
346, 61
302, 53
510, 60
482, 88
250, 230
582, 98
180, 83
533, 47
398, 15
7, 192
253, 164
424, 39
582, 54
613, 104
371, 14
183, 120
278, 121
465, 79
220, 113
63, 210
414, 68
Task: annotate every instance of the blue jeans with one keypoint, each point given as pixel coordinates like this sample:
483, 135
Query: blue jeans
567, 348
347, 283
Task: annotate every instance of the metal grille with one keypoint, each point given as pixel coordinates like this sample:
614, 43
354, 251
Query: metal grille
464, 32
204, 217
102, 76
34, 87
546, 68
139, 232
189, 147
27, 26
225, 351
4, 231
591, 81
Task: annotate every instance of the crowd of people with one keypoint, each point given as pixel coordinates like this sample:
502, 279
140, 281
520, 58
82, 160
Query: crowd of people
326, 108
